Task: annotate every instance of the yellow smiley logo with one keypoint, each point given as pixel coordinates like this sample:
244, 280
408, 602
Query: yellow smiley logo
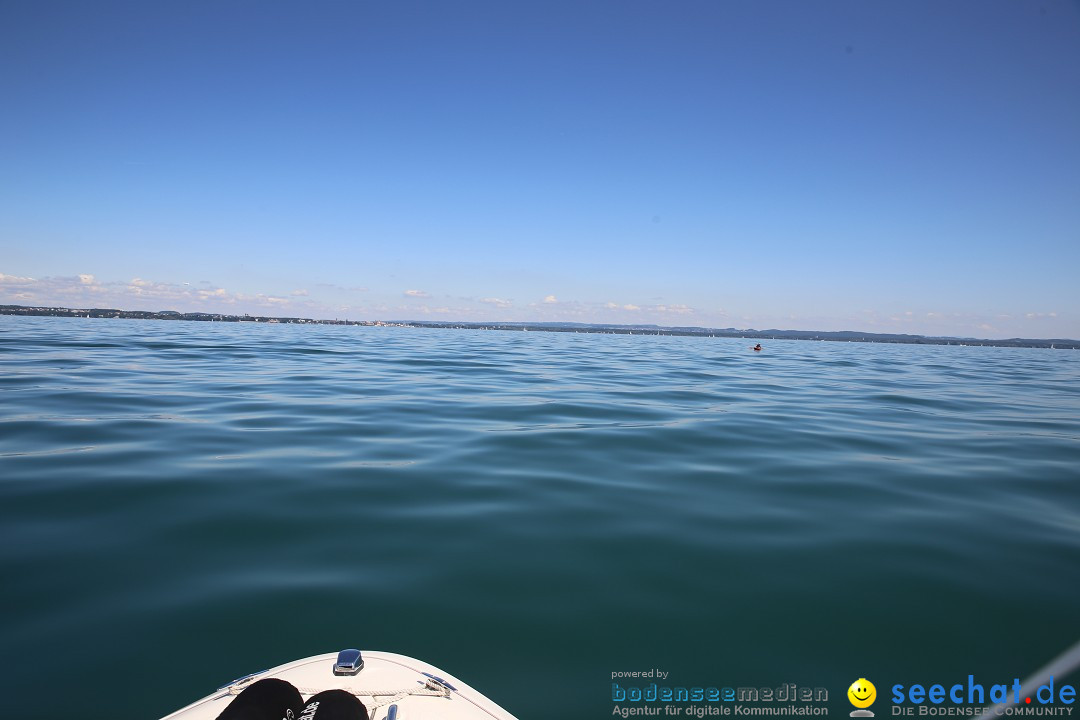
862, 693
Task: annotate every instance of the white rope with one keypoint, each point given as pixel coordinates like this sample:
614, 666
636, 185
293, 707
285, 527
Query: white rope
392, 695
438, 691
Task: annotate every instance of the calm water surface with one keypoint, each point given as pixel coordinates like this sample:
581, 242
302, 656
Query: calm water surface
183, 503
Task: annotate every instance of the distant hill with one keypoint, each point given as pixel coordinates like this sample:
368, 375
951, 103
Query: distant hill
750, 334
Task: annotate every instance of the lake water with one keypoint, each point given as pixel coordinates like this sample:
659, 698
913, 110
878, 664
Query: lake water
184, 503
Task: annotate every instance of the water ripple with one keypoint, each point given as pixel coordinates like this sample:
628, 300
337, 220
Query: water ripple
166, 483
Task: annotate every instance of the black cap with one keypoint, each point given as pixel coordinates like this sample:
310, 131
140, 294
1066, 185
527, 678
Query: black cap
269, 698
333, 705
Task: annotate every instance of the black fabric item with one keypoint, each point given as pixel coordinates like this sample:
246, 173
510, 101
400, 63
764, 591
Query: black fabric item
269, 699
333, 705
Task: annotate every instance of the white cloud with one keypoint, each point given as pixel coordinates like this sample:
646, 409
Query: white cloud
674, 309
417, 294
15, 279
497, 302
136, 294
630, 307
299, 293
550, 300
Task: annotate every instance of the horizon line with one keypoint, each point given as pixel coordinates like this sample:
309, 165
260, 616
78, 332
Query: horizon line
543, 326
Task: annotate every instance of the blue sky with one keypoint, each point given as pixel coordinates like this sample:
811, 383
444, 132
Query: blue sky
885, 166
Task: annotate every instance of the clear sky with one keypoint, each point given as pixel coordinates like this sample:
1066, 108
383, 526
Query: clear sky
894, 166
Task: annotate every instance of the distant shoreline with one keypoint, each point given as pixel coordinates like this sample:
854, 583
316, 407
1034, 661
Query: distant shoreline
830, 336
